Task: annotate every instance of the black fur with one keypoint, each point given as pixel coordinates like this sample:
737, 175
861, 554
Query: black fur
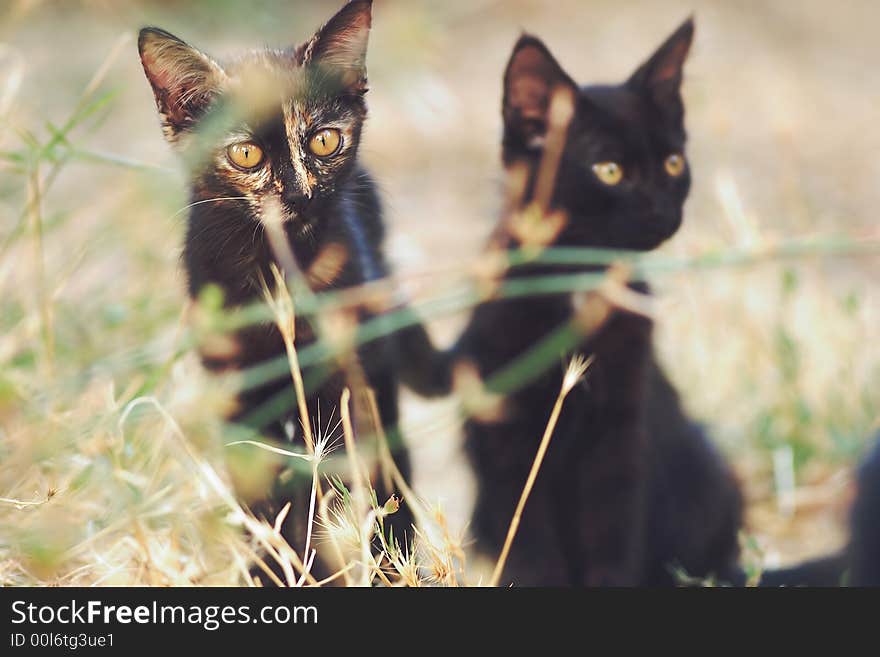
859, 563
865, 543
630, 487
352, 218
226, 244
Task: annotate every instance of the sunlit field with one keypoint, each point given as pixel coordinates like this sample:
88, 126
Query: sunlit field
114, 463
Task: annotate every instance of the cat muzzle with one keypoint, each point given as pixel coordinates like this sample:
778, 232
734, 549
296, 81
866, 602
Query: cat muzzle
296, 204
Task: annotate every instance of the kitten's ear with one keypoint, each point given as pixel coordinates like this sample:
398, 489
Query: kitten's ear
341, 45
660, 76
184, 80
530, 79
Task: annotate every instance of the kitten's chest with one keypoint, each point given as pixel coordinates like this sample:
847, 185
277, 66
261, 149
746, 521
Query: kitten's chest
321, 334
610, 393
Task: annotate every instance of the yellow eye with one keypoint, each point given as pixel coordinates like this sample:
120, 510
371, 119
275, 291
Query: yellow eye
325, 142
245, 155
610, 173
674, 165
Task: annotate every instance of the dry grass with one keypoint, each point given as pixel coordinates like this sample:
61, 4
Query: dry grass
113, 466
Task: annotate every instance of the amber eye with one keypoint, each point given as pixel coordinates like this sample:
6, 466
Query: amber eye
325, 143
674, 165
245, 155
610, 173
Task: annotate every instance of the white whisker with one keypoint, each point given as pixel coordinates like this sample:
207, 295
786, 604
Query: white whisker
209, 200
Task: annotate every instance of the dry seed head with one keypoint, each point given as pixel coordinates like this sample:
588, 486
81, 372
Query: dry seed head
407, 567
391, 506
577, 368
439, 571
336, 526
328, 438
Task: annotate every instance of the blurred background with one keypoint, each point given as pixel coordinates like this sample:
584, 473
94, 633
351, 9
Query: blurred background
779, 359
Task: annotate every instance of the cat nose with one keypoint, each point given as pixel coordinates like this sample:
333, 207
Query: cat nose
298, 202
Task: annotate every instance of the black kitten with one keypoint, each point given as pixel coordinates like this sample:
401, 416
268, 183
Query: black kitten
630, 487
865, 542
292, 146
858, 564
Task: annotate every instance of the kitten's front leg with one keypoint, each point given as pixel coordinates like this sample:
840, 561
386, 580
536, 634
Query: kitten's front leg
423, 368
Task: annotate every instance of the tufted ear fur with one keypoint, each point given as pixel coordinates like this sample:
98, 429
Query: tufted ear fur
341, 45
184, 80
531, 77
660, 77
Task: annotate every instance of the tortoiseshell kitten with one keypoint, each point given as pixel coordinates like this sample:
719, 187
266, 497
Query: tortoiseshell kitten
630, 487
293, 145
